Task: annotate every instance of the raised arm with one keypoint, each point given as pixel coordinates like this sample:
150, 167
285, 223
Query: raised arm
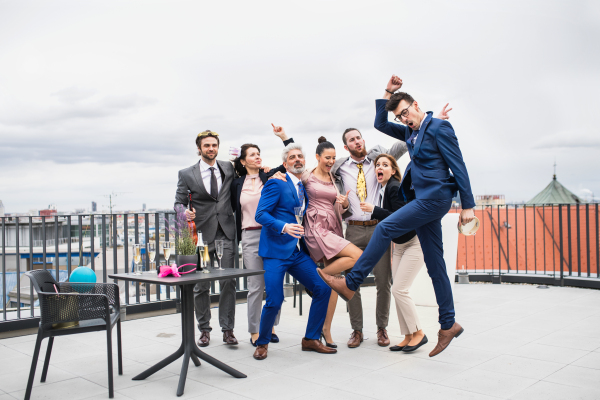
381, 117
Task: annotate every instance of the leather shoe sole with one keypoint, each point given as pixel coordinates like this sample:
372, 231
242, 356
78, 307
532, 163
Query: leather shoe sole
408, 349
397, 348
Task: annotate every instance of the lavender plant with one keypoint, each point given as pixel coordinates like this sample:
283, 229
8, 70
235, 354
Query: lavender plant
184, 241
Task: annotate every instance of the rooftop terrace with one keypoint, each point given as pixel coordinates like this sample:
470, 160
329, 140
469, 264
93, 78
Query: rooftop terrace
520, 342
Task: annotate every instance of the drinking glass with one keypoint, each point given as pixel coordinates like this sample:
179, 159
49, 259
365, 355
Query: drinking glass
299, 214
362, 199
205, 258
219, 251
166, 251
137, 259
151, 251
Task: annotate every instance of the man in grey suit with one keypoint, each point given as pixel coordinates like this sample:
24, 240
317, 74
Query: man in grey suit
209, 180
360, 227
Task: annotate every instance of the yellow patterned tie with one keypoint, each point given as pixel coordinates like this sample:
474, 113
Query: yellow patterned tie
361, 184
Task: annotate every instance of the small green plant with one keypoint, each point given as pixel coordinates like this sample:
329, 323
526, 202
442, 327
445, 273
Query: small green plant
184, 242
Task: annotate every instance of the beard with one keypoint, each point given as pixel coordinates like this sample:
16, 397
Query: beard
298, 170
359, 154
208, 156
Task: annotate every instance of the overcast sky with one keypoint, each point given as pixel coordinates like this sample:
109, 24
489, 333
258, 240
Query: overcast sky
103, 96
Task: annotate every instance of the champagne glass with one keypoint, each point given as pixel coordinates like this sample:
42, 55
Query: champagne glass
137, 259
362, 197
166, 251
151, 251
205, 258
299, 211
219, 251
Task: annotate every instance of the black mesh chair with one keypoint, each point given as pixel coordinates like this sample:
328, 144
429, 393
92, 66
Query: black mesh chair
89, 307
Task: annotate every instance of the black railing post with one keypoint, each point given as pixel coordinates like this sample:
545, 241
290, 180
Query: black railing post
137, 241
157, 256
534, 243
578, 233
31, 302
516, 238
587, 237
526, 243
69, 246
43, 242
4, 268
104, 244
92, 244
18, 256
126, 254
569, 239
560, 234
56, 251
115, 246
146, 240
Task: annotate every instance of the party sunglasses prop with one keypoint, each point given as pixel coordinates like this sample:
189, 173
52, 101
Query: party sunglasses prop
166, 270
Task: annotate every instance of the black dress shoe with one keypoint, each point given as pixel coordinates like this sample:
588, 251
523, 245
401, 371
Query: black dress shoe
408, 349
274, 338
253, 343
331, 345
397, 348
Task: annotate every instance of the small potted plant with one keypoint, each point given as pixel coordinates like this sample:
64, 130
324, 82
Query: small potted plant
185, 246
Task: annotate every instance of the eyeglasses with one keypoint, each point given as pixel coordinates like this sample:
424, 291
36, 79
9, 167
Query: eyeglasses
208, 133
403, 114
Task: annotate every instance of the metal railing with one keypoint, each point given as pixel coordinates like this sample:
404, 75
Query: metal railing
543, 242
18, 300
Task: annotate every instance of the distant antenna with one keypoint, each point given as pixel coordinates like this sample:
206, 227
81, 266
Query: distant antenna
554, 176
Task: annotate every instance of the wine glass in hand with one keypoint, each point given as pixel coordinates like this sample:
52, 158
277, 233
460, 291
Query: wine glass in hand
299, 214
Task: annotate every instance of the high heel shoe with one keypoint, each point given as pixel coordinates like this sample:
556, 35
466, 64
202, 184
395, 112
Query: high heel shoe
332, 345
408, 349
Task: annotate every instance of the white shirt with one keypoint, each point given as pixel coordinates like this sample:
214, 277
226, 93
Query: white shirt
381, 196
205, 173
349, 173
296, 181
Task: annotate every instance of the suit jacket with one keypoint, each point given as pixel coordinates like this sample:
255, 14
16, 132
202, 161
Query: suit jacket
396, 151
435, 152
236, 191
275, 209
210, 213
392, 201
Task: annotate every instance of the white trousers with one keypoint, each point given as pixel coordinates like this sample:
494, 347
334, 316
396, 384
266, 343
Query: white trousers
407, 260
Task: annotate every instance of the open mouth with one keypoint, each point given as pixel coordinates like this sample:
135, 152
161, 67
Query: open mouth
380, 175
410, 124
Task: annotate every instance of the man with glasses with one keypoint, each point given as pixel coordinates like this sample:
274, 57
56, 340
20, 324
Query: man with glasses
428, 186
209, 180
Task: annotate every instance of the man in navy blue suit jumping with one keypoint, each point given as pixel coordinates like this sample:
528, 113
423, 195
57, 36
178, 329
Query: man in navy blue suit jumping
428, 186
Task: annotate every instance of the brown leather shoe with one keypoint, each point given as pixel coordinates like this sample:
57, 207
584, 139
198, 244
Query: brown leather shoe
445, 337
356, 339
204, 339
337, 283
382, 338
316, 345
228, 337
261, 351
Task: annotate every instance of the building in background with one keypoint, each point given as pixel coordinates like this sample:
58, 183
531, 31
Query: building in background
555, 193
490, 199
1, 209
94, 206
144, 207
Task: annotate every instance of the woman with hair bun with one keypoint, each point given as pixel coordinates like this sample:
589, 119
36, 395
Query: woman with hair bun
323, 224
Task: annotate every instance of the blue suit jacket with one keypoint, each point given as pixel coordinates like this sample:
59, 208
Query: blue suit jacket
275, 209
435, 151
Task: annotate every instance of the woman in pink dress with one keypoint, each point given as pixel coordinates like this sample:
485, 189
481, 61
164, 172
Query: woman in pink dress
323, 224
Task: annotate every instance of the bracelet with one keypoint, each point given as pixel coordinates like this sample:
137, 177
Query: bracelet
389, 91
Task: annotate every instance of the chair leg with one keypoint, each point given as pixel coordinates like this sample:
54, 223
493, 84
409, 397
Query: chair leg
36, 353
111, 393
119, 350
47, 359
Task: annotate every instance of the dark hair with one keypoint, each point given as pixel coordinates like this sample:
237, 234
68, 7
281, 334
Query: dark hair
200, 138
396, 98
393, 162
324, 145
349, 130
237, 162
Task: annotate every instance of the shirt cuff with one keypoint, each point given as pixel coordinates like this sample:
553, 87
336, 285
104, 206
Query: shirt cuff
283, 229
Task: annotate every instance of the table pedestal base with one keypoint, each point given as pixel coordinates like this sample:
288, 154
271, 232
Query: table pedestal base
188, 349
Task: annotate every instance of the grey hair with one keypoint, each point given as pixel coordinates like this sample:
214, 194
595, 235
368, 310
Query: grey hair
288, 148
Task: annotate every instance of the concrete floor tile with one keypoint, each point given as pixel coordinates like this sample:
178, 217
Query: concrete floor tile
424, 370
577, 376
552, 391
381, 385
489, 383
325, 371
124, 381
590, 360
213, 376
571, 340
460, 355
17, 380
544, 352
437, 392
521, 366
333, 394
166, 388
77, 389
281, 388
221, 395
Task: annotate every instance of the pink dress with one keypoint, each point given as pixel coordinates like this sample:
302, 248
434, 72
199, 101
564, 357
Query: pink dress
322, 224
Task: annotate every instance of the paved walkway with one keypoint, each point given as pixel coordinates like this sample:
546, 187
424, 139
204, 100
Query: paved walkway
520, 342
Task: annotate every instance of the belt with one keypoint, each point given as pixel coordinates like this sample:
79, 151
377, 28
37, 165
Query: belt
253, 228
363, 223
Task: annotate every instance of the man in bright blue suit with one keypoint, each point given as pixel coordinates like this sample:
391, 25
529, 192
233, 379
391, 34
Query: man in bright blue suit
428, 186
283, 250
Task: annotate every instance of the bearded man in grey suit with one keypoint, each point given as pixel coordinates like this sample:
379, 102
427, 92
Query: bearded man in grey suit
209, 180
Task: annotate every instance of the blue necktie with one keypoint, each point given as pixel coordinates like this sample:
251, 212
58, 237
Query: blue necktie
412, 138
301, 193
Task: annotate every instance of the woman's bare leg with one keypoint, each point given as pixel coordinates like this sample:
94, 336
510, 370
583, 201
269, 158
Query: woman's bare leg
343, 261
330, 311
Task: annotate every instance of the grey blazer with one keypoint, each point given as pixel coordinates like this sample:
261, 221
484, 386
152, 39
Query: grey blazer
209, 212
396, 151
